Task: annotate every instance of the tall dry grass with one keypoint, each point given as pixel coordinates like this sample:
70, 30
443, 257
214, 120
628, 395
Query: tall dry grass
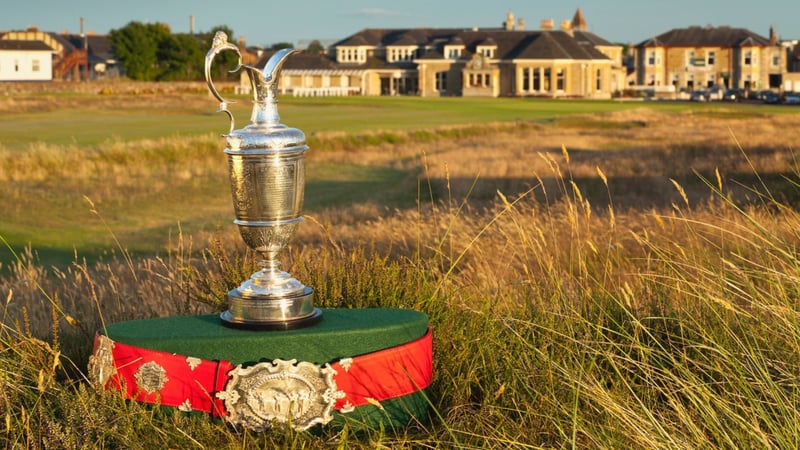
637, 291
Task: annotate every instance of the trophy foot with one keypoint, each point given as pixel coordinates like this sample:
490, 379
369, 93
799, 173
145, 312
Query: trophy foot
271, 313
280, 325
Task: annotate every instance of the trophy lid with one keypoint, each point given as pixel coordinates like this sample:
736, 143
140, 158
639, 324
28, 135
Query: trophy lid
265, 132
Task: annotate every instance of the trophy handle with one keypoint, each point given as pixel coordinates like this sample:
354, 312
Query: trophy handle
219, 44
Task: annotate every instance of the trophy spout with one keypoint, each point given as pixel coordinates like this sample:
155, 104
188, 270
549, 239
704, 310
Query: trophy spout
265, 89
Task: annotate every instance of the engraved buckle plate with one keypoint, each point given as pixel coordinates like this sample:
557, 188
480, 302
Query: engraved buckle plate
101, 363
301, 394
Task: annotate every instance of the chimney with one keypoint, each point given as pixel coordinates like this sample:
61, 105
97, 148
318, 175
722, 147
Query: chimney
83, 23
508, 25
548, 24
521, 24
191, 24
241, 42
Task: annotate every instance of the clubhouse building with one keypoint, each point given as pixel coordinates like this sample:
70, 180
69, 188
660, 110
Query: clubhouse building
505, 61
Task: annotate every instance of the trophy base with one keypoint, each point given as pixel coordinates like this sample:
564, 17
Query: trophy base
269, 313
194, 365
291, 324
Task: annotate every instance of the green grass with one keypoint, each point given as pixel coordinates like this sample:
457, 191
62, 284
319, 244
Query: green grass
94, 125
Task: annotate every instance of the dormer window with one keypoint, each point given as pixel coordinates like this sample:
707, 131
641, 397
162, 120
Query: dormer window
453, 51
487, 51
356, 55
398, 54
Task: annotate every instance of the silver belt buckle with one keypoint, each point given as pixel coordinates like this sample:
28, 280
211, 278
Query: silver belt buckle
300, 394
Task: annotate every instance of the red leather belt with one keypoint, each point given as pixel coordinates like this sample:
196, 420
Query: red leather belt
302, 394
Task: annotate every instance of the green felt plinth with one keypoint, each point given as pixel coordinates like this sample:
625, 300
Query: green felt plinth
341, 333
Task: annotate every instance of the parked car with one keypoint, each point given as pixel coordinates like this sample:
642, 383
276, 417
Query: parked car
732, 95
771, 98
792, 98
701, 95
715, 92
761, 94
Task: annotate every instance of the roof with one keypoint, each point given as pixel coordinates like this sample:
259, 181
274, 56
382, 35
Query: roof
591, 38
99, 46
23, 45
511, 44
554, 45
706, 37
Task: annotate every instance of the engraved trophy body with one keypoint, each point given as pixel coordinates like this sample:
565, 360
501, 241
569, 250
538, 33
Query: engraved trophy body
266, 165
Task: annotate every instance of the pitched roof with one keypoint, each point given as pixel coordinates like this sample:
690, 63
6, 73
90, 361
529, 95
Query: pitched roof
590, 38
99, 46
24, 45
706, 37
554, 45
510, 44
299, 61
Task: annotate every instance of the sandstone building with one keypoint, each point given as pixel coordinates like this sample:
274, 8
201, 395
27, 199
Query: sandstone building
701, 57
505, 61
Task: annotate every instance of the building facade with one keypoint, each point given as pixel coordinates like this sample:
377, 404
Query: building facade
22, 60
701, 57
507, 61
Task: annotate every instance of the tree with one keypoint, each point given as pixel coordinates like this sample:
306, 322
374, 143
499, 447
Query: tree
136, 45
180, 58
281, 45
315, 47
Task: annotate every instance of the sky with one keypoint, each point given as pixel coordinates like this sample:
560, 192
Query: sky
266, 22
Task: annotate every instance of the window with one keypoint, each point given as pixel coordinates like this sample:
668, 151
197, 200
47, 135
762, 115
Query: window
351, 55
35, 65
441, 81
747, 60
479, 80
537, 81
400, 54
776, 60
16, 65
651, 58
690, 58
599, 78
711, 58
676, 80
453, 53
486, 51
547, 77
526, 80
560, 76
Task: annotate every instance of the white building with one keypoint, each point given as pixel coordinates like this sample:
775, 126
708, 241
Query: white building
22, 60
